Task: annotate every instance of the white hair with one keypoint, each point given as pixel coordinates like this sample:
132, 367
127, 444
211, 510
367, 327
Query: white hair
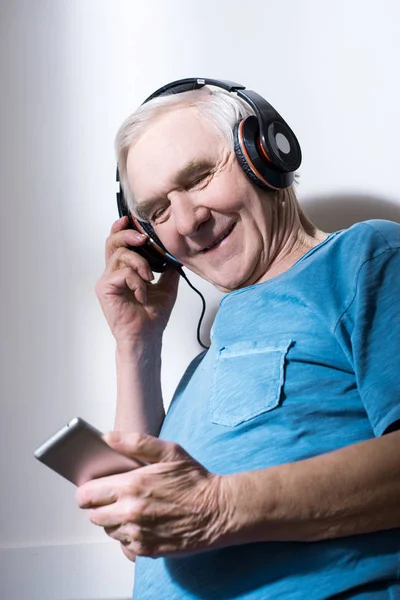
222, 109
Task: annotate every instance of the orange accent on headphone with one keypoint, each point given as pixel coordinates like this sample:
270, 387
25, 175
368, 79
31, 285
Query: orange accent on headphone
262, 150
252, 167
151, 241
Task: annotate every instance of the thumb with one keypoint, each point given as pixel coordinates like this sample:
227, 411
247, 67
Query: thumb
146, 448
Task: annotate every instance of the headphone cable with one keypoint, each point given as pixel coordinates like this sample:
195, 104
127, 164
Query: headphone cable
203, 310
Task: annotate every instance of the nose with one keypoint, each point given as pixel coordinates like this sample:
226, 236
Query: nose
188, 215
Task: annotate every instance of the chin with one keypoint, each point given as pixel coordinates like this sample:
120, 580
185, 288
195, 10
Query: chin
226, 285
229, 279
238, 280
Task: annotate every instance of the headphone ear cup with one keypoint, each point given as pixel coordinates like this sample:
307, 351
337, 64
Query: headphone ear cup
257, 165
147, 228
242, 160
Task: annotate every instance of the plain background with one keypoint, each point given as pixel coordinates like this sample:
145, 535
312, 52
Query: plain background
71, 71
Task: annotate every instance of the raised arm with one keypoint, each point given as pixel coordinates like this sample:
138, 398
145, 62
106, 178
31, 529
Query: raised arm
137, 312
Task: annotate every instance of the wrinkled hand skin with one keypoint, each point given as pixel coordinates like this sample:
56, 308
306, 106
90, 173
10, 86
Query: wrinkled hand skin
170, 506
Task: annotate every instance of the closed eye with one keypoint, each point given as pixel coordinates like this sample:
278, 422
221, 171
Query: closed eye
195, 182
159, 214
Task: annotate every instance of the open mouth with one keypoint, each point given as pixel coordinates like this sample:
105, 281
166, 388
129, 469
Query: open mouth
220, 239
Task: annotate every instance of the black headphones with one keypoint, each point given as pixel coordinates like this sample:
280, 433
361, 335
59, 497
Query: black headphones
265, 146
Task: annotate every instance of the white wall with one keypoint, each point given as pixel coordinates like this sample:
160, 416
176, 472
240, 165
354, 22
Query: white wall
71, 70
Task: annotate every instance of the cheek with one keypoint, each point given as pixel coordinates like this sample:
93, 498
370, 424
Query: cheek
170, 239
226, 196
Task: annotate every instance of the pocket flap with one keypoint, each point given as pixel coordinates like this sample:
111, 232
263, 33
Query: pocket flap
247, 380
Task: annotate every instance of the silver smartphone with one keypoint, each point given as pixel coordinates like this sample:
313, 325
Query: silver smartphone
79, 453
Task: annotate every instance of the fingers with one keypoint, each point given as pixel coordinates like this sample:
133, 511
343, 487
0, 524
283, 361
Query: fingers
118, 282
145, 447
124, 267
119, 224
124, 237
106, 491
129, 536
103, 517
128, 510
97, 492
119, 256
122, 257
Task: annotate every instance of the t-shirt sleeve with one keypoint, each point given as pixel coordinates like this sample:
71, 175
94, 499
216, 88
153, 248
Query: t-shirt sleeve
372, 321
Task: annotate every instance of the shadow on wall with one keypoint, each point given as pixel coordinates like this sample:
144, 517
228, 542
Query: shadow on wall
331, 213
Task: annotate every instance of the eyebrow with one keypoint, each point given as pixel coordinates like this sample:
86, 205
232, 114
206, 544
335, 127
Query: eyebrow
193, 168
182, 177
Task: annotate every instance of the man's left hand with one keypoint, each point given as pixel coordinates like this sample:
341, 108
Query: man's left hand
172, 505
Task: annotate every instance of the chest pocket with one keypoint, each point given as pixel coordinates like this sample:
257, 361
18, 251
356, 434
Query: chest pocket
247, 380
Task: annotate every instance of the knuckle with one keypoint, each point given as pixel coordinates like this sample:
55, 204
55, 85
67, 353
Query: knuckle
120, 252
134, 511
133, 488
174, 450
129, 258
174, 447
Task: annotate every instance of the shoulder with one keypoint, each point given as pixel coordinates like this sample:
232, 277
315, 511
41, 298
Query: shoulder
374, 235
351, 248
339, 267
371, 259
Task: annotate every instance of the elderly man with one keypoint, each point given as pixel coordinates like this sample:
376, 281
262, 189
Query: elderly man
276, 471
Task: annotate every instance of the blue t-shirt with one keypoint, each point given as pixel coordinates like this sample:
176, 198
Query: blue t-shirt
300, 365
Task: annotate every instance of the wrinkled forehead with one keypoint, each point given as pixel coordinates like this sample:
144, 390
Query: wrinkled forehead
167, 145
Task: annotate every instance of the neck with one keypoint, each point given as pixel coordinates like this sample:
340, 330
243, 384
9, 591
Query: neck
295, 236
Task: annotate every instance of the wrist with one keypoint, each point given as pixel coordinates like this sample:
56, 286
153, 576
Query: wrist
143, 350
249, 503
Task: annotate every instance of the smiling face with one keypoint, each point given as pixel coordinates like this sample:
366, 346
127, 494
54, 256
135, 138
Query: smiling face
187, 182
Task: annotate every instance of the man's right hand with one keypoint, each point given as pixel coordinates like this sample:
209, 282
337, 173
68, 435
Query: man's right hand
133, 306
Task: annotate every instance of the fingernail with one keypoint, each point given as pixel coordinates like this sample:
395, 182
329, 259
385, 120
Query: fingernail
141, 295
146, 274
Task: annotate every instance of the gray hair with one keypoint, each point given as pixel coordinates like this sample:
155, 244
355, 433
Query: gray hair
222, 109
